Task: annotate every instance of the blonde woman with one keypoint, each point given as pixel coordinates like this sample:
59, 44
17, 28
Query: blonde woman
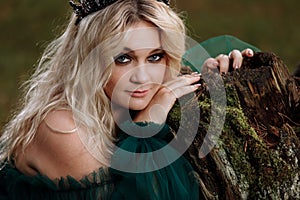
113, 65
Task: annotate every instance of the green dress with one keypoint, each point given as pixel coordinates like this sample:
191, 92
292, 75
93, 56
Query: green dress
14, 185
174, 181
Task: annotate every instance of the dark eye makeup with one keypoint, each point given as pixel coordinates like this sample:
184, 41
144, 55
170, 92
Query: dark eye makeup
156, 57
125, 58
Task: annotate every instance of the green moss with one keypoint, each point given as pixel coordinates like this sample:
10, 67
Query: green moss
257, 171
253, 161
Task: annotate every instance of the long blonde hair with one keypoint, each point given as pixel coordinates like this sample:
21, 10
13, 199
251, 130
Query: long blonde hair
59, 81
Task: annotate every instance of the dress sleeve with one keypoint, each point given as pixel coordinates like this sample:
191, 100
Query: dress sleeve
196, 55
16, 186
174, 181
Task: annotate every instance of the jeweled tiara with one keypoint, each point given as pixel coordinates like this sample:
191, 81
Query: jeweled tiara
85, 7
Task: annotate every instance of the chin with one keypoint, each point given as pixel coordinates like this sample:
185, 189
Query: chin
137, 107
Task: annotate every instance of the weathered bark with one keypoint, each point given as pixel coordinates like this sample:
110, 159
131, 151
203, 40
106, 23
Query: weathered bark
257, 154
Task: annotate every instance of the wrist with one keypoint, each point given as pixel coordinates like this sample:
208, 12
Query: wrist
155, 114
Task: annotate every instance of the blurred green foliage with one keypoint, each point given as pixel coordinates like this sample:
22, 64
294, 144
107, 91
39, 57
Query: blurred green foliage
27, 26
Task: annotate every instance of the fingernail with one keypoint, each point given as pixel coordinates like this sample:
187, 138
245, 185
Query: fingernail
197, 85
250, 53
215, 64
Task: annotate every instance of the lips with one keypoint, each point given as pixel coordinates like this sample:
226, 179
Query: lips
138, 93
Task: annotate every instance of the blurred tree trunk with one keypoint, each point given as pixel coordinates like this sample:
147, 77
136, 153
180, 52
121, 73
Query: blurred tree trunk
257, 153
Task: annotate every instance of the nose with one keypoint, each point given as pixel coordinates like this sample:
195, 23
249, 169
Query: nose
140, 75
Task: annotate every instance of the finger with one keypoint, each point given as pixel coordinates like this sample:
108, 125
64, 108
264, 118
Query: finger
181, 91
237, 58
248, 52
223, 63
210, 64
180, 81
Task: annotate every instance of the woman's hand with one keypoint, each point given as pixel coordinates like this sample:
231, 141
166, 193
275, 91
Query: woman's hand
222, 61
164, 99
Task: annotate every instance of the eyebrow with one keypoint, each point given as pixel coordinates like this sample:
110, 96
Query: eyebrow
129, 50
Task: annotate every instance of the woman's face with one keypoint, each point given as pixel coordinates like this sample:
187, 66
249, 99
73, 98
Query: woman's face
139, 69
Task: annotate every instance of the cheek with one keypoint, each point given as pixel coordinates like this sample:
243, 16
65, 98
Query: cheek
115, 83
110, 86
168, 76
160, 74
157, 72
108, 89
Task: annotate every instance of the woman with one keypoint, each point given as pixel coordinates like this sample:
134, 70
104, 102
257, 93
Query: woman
104, 75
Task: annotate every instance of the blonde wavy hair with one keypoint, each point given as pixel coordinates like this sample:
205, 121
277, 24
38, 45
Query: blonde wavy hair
72, 75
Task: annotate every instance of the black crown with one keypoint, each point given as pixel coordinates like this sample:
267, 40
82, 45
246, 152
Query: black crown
85, 7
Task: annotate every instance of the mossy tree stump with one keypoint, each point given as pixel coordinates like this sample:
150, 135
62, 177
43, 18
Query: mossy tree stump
257, 154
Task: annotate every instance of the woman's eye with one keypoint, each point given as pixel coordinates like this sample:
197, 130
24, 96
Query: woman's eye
156, 57
123, 59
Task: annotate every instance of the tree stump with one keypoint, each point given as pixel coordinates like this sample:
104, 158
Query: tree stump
257, 153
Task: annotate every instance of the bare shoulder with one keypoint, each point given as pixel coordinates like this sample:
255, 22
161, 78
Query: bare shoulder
57, 150
60, 121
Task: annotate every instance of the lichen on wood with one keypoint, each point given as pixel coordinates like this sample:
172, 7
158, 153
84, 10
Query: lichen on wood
257, 154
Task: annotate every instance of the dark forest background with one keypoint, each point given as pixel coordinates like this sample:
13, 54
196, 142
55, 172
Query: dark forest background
27, 26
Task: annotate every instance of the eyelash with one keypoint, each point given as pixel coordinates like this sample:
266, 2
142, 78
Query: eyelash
160, 55
120, 59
